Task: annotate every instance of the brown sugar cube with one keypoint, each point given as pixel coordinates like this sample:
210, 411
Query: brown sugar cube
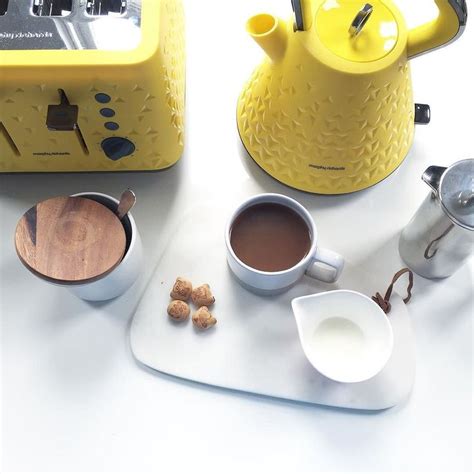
182, 289
203, 319
179, 310
202, 296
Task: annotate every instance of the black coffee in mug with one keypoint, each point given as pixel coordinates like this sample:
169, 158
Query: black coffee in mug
270, 237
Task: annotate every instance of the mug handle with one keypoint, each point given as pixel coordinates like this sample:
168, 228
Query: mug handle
330, 259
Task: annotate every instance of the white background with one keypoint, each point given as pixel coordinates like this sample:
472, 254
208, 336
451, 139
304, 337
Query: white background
73, 397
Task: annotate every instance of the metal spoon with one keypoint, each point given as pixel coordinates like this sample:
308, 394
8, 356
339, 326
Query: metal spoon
127, 201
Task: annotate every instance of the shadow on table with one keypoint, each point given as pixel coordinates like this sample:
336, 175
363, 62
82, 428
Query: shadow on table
30, 188
257, 397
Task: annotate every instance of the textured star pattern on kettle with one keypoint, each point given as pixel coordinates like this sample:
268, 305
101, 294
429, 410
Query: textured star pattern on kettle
294, 132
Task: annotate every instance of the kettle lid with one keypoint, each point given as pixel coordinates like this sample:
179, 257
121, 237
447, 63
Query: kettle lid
456, 193
356, 31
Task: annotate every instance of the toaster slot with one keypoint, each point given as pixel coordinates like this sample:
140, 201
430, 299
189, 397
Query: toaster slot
52, 7
9, 139
81, 139
106, 7
3, 7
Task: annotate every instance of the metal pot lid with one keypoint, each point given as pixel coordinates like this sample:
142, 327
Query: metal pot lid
456, 193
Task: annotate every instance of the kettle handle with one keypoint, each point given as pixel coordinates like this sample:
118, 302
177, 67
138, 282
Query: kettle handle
303, 14
448, 27
432, 177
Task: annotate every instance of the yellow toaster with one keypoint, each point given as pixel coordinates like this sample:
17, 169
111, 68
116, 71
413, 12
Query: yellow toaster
91, 85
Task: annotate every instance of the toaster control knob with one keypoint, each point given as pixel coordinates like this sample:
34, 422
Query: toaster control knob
117, 147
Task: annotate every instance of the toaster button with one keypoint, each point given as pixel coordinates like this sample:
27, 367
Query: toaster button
102, 98
112, 126
117, 147
106, 112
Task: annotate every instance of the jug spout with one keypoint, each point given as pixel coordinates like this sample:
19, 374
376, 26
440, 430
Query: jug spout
270, 33
432, 177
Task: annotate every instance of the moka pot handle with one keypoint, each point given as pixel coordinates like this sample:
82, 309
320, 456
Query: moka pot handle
432, 177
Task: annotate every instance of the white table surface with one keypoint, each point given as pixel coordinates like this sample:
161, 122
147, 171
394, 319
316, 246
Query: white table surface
73, 397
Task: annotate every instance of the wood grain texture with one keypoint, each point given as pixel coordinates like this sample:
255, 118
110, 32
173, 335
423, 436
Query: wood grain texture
70, 240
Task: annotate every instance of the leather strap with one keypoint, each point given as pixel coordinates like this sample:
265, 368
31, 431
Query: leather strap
384, 302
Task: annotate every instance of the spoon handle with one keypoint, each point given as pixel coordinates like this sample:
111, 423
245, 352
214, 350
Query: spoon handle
127, 201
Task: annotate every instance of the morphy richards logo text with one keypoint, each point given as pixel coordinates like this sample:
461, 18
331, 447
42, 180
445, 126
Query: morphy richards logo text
25, 35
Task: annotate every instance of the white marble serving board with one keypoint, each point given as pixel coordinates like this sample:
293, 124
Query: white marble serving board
255, 346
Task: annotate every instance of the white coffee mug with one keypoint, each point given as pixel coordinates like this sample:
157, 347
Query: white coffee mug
320, 264
126, 273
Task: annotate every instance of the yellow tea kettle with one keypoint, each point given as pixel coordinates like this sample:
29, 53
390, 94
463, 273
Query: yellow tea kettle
330, 110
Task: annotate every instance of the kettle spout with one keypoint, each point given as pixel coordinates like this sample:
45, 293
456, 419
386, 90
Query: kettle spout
270, 33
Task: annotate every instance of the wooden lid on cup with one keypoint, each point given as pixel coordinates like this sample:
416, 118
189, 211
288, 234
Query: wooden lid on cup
70, 240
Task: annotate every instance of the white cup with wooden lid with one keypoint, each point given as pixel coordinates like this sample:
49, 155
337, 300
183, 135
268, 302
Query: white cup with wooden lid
79, 242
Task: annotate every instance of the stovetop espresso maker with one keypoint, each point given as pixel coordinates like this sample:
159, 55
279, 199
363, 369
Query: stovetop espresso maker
440, 237
330, 110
